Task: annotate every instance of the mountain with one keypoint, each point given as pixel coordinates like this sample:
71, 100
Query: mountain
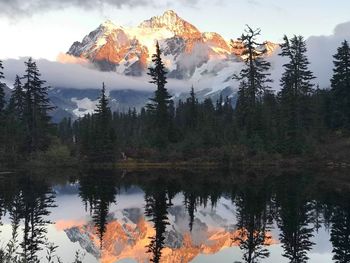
188, 53
128, 233
203, 59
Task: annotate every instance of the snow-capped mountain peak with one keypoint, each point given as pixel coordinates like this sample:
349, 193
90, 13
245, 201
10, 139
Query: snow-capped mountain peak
172, 22
203, 59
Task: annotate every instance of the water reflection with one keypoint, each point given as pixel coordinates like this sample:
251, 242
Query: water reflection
167, 216
29, 201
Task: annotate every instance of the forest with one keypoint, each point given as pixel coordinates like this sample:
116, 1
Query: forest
300, 121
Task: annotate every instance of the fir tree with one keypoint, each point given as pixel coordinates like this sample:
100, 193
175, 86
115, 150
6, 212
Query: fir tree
295, 94
192, 109
16, 104
341, 87
104, 140
156, 210
340, 232
36, 109
254, 79
159, 106
2, 92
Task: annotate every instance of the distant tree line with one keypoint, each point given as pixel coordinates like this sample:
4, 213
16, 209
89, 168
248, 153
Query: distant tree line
292, 121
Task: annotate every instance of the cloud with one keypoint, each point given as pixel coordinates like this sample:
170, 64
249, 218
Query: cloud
78, 76
320, 54
321, 50
22, 8
29, 7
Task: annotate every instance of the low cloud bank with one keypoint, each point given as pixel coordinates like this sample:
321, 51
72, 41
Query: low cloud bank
82, 75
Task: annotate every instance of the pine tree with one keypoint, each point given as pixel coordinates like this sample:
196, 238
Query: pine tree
2, 92
295, 94
104, 137
2, 115
254, 79
192, 109
36, 109
17, 100
159, 106
14, 132
341, 87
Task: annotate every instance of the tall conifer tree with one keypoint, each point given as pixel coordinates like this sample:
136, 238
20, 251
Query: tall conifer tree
159, 106
297, 88
341, 87
254, 79
36, 109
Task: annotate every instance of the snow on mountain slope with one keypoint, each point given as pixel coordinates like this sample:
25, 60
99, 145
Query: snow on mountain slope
188, 53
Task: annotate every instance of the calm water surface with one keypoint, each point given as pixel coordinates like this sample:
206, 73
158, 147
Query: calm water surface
170, 216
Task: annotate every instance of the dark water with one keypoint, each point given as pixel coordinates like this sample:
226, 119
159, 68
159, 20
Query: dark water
172, 216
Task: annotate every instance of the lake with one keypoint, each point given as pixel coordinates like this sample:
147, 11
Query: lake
174, 216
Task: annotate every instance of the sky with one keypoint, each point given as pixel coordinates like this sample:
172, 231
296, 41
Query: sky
45, 28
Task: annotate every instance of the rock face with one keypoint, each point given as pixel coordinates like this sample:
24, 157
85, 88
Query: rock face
186, 50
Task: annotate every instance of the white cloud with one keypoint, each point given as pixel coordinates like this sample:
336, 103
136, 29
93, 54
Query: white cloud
321, 50
79, 76
320, 53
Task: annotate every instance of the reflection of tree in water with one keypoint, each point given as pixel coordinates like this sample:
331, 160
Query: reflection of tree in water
190, 203
199, 192
252, 222
294, 219
36, 198
98, 190
28, 199
157, 199
340, 230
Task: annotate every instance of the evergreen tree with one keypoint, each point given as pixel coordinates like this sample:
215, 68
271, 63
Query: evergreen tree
16, 104
159, 106
295, 94
340, 230
36, 109
156, 210
104, 136
2, 92
14, 132
254, 79
253, 223
2, 115
294, 220
341, 87
192, 109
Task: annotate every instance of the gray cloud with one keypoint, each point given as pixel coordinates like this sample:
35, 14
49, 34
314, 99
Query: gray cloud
20, 8
17, 8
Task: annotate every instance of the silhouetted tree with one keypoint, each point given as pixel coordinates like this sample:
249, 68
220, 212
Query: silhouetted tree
36, 109
294, 219
2, 92
340, 231
159, 106
295, 94
254, 79
156, 209
341, 87
252, 222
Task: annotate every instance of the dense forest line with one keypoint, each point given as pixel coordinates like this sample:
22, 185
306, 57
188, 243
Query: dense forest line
300, 120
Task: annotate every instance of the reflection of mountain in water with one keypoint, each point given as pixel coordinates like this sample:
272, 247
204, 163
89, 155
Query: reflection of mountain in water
127, 234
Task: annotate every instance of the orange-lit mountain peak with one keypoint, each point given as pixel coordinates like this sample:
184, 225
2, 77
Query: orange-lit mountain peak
124, 239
